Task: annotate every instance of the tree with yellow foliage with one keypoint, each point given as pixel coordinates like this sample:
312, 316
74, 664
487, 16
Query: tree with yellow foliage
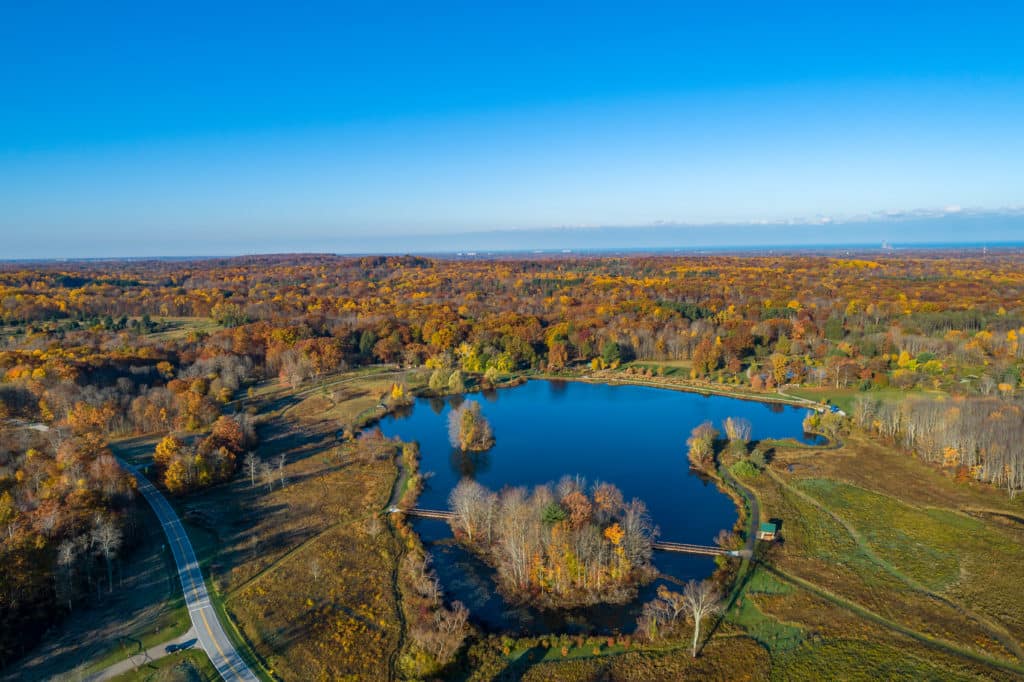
166, 451
178, 477
399, 395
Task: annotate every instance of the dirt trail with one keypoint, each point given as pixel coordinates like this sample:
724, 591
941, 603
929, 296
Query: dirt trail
396, 493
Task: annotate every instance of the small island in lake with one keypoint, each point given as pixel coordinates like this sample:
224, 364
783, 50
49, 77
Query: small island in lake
557, 546
468, 429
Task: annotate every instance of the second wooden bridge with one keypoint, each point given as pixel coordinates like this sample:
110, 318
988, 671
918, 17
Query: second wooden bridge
680, 547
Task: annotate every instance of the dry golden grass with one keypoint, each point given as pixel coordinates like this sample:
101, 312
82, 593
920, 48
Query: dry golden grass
320, 604
349, 399
307, 568
343, 624
180, 327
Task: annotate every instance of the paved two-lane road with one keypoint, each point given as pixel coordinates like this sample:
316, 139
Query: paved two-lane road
208, 629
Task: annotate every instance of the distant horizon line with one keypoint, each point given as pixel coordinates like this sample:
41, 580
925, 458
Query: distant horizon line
952, 227
754, 249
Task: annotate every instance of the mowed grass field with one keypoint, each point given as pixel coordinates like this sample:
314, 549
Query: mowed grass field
180, 327
884, 571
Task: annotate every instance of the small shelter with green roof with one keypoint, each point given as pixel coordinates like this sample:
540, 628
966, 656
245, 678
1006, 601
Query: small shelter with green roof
768, 531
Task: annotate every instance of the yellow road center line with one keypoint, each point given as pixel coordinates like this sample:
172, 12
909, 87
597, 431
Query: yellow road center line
194, 588
226, 658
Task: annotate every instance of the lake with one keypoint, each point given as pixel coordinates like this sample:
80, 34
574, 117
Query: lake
632, 436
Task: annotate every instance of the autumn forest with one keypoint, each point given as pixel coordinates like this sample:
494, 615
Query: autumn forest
922, 350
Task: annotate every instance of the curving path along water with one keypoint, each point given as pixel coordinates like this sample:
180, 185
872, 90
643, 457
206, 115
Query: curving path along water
212, 638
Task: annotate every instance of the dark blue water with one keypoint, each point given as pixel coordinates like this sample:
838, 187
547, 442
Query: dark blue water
632, 436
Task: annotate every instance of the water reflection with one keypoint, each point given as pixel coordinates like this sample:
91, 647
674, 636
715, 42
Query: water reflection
469, 464
557, 388
402, 411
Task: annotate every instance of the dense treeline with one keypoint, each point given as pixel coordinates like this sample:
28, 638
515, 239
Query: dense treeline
558, 546
907, 321
979, 436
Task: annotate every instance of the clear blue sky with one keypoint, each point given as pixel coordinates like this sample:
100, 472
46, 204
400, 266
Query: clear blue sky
163, 129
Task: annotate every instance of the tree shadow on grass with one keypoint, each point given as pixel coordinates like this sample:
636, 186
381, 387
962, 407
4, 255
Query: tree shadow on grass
760, 553
517, 668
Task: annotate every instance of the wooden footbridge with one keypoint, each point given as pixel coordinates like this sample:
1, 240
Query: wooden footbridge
684, 548
426, 513
679, 547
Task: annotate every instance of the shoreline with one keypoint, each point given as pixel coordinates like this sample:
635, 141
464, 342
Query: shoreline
742, 521
771, 398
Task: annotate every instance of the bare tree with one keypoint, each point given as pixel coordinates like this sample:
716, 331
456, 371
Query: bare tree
467, 501
451, 625
106, 536
651, 615
267, 475
639, 532
518, 539
252, 465
280, 469
67, 555
737, 430
980, 435
702, 600
422, 578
